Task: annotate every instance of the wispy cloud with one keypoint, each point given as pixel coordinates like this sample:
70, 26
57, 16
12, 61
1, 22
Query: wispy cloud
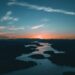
11, 28
2, 27
42, 8
6, 35
8, 17
15, 28
37, 26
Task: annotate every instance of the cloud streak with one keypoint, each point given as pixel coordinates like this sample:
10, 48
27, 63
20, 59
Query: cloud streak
42, 8
2, 27
15, 28
11, 28
37, 26
8, 17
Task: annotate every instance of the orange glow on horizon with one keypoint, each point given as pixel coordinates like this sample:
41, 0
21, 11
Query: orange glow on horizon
38, 36
48, 36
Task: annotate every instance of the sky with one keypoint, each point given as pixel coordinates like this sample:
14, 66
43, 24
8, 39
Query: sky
44, 19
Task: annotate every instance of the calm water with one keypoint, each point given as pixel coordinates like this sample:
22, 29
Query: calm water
44, 66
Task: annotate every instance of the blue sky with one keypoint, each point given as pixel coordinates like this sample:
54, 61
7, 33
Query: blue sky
37, 16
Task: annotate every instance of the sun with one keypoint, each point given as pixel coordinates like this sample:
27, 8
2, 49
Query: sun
39, 36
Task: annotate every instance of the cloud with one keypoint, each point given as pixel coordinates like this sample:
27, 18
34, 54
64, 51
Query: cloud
11, 28
2, 27
37, 26
15, 28
8, 17
9, 13
42, 8
15, 19
6, 35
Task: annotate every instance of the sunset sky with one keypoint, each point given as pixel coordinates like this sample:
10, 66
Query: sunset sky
44, 19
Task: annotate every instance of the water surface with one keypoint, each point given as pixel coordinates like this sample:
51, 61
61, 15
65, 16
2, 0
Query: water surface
44, 66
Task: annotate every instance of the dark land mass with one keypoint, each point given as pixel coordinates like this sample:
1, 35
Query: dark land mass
9, 50
68, 57
37, 44
49, 52
69, 73
12, 48
16, 65
64, 45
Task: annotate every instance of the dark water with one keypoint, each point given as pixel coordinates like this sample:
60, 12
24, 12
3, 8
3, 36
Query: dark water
44, 66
